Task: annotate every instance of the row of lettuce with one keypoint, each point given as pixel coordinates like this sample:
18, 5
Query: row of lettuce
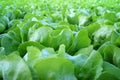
59, 42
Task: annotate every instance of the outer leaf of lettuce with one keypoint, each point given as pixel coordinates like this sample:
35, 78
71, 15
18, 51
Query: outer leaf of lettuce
47, 65
14, 68
52, 38
4, 20
80, 41
92, 28
22, 48
58, 37
73, 18
92, 67
88, 65
12, 44
87, 51
2, 51
12, 39
108, 53
110, 16
25, 26
115, 38
116, 57
55, 69
41, 35
107, 75
34, 54
111, 71
103, 34
2, 28
101, 48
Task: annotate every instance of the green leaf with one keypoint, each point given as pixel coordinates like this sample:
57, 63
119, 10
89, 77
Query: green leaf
25, 26
103, 34
14, 68
85, 51
9, 43
78, 61
73, 18
108, 53
10, 15
4, 20
80, 41
92, 28
61, 52
48, 52
110, 16
107, 75
116, 58
41, 35
58, 37
2, 28
92, 67
34, 54
115, 38
11, 40
101, 48
22, 48
2, 51
112, 70
55, 69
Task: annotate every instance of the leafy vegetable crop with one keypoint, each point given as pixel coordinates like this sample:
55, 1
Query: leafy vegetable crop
59, 40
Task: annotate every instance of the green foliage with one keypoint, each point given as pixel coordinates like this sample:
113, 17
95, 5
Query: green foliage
59, 40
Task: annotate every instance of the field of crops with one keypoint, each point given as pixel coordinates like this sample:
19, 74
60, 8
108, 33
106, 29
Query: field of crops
59, 39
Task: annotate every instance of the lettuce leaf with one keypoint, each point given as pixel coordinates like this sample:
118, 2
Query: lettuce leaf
14, 68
